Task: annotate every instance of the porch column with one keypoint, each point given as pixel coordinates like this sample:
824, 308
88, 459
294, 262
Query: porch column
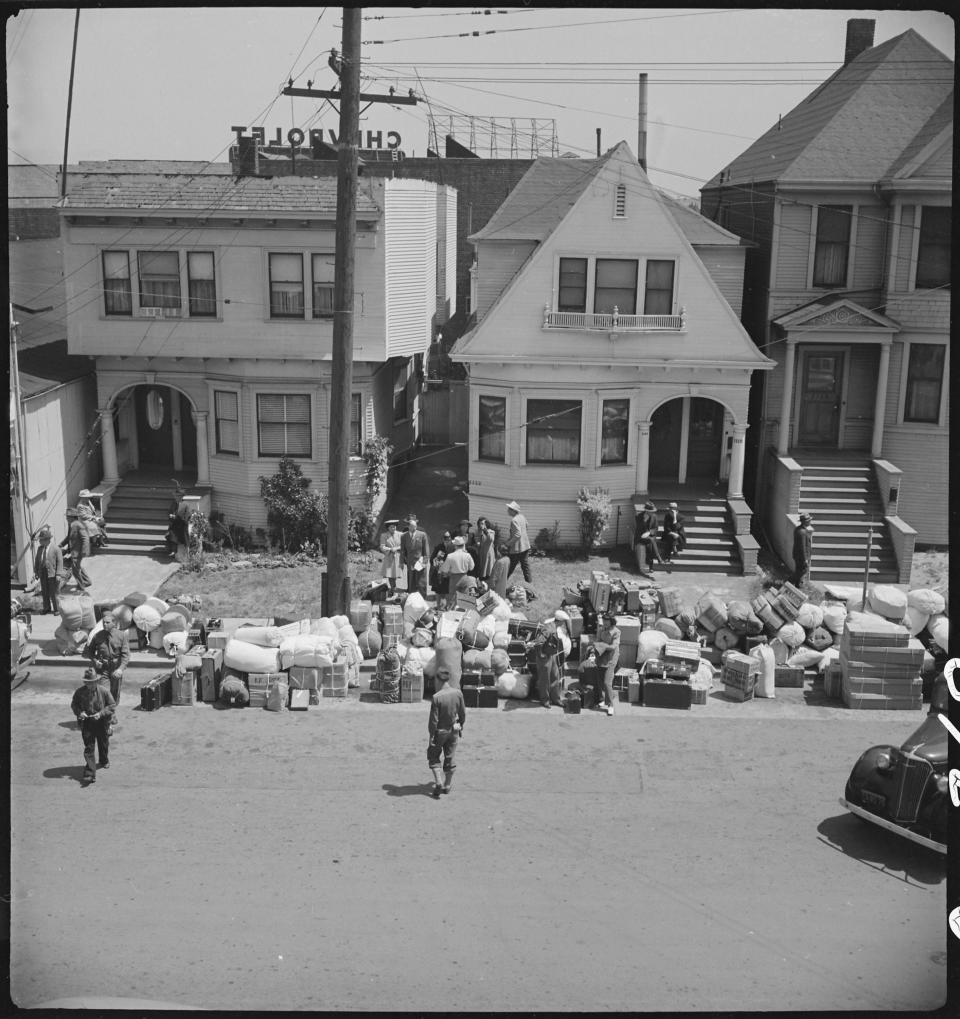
108, 445
880, 404
786, 403
735, 483
203, 456
643, 457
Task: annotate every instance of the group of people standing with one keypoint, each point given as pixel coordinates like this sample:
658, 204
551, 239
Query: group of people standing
86, 531
468, 551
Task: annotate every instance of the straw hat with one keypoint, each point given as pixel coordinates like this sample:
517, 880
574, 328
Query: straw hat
513, 506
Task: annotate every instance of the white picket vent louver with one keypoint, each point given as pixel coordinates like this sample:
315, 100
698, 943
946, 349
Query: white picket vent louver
620, 202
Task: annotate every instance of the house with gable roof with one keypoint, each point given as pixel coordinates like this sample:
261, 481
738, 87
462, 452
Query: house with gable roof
848, 202
607, 352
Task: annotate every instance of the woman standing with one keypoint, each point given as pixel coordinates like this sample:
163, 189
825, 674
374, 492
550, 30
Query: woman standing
485, 555
390, 547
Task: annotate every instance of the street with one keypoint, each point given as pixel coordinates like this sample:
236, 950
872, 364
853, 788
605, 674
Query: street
652, 861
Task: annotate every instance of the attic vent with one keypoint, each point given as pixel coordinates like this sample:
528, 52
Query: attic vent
620, 202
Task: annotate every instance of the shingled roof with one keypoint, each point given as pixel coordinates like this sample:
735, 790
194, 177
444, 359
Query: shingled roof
209, 194
857, 123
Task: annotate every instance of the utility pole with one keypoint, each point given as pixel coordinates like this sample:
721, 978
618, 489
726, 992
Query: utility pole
347, 67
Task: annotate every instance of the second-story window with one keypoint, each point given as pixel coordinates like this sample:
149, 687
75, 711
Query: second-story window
658, 293
572, 295
159, 279
286, 285
616, 286
117, 292
201, 283
933, 248
356, 425
832, 246
322, 286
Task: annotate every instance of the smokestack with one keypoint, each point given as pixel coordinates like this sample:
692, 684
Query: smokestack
642, 124
598, 143
859, 38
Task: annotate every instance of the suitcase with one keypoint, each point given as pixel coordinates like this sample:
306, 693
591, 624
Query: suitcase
478, 677
299, 699
576, 622
183, 687
517, 653
521, 629
487, 697
571, 703
633, 590
211, 672
155, 692
666, 693
471, 696
216, 639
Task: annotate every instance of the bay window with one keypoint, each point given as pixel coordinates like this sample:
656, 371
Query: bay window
613, 431
933, 248
226, 406
283, 424
553, 431
492, 428
159, 279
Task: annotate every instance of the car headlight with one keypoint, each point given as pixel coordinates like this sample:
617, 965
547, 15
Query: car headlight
883, 761
943, 784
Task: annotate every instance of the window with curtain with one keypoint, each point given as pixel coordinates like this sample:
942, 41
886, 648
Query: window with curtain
201, 283
833, 245
400, 376
553, 431
283, 424
658, 293
933, 249
613, 431
924, 382
227, 421
572, 292
159, 279
356, 425
322, 269
615, 286
286, 285
492, 428
117, 292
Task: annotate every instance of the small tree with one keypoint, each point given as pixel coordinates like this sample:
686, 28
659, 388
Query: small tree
595, 510
294, 514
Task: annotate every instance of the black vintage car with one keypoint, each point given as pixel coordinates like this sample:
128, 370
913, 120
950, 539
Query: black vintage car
906, 791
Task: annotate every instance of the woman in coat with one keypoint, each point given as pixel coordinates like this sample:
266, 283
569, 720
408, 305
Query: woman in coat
485, 555
390, 547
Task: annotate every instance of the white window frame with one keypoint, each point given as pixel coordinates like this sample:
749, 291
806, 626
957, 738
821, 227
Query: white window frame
499, 394
185, 272
641, 260
915, 248
553, 394
307, 286
275, 390
364, 393
182, 312
851, 245
214, 388
614, 394
931, 341
325, 317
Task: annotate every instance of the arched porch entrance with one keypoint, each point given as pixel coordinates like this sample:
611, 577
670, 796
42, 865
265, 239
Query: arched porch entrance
689, 440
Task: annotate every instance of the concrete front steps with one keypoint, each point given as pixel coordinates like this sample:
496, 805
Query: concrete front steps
711, 546
137, 518
844, 500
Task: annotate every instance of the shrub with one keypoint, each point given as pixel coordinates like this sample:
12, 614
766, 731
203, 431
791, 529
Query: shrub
595, 510
294, 515
546, 539
376, 453
360, 532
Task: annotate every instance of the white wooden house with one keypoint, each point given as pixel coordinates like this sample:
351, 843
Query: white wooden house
607, 354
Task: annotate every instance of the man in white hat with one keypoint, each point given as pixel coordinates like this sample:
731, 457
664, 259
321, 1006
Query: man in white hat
456, 566
518, 542
93, 707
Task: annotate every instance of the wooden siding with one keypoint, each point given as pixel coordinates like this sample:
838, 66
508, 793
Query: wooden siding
921, 310
902, 252
726, 268
870, 244
410, 219
924, 459
60, 429
498, 262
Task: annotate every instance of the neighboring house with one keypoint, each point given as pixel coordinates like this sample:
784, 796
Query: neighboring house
206, 299
607, 352
53, 404
848, 200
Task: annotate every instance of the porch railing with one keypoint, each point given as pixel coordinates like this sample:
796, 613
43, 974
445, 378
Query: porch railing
613, 321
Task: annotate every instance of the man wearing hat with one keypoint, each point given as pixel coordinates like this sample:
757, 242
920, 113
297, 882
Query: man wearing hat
415, 555
456, 566
518, 543
673, 534
79, 540
645, 538
448, 714
50, 570
802, 549
390, 547
93, 707
109, 651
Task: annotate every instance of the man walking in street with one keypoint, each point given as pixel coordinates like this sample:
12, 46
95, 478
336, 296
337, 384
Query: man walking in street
448, 713
50, 570
518, 542
109, 651
79, 541
93, 707
802, 549
415, 555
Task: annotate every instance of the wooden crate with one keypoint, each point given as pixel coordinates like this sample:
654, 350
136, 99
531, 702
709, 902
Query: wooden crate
411, 688
788, 676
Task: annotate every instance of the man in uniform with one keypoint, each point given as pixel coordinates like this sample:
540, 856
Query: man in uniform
110, 652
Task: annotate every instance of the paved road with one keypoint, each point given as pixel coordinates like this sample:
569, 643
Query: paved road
649, 861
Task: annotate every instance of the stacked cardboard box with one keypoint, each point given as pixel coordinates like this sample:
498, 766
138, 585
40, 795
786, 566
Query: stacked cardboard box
881, 665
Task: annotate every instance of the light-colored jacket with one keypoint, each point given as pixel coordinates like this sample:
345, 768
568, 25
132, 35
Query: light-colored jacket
518, 540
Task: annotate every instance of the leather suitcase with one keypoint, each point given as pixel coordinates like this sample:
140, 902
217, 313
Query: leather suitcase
211, 672
576, 622
666, 693
487, 697
633, 590
471, 696
155, 692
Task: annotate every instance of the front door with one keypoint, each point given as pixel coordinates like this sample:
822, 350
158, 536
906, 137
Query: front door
821, 387
154, 429
705, 439
666, 427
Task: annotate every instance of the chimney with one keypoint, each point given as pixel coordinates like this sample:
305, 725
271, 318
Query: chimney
642, 124
859, 38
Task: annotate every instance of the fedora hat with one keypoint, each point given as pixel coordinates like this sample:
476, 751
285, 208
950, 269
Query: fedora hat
513, 506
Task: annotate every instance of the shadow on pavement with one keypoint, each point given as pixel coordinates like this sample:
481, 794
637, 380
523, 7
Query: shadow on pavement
408, 790
512, 704
68, 725
882, 850
74, 771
